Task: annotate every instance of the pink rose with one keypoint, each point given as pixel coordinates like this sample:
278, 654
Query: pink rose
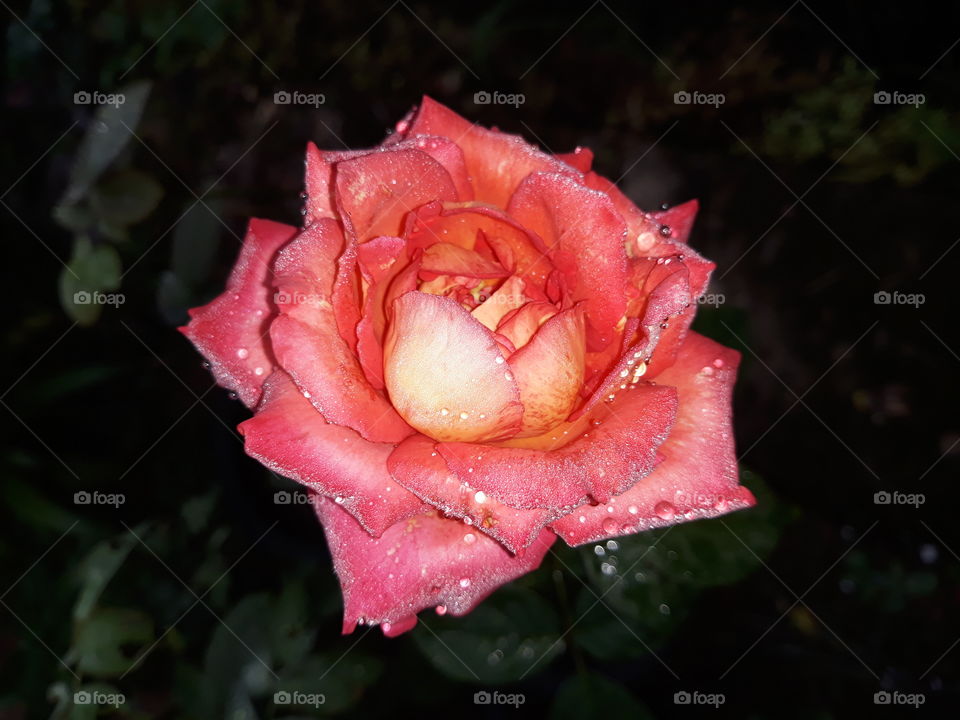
471, 348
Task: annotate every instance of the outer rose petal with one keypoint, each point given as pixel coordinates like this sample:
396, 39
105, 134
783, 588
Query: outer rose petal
291, 438
603, 461
376, 191
230, 330
420, 562
679, 219
581, 158
698, 475
549, 371
318, 181
417, 466
496, 161
586, 238
444, 371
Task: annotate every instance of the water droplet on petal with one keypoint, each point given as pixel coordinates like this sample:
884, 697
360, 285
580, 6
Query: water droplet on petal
665, 510
464, 582
632, 510
469, 538
480, 497
441, 609
444, 412
609, 526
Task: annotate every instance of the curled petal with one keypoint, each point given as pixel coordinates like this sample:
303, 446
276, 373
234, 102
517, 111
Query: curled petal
549, 371
417, 466
445, 373
291, 438
376, 191
496, 162
231, 330
586, 239
698, 473
679, 219
421, 562
445, 258
609, 451
581, 158
509, 296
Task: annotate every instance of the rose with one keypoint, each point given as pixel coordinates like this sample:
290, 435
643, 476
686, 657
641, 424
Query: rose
470, 348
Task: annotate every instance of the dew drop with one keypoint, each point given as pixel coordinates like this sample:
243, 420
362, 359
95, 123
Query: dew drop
665, 510
718, 363
444, 412
386, 627
599, 551
632, 510
464, 416
304, 196
441, 609
258, 371
205, 365
469, 538
480, 497
464, 582
232, 395
609, 526
665, 230
499, 360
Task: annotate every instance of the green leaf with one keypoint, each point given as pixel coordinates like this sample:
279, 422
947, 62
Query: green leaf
512, 633
101, 640
98, 568
92, 272
108, 134
126, 197
649, 581
591, 695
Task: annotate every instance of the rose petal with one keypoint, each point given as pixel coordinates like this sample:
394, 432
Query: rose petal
318, 182
230, 331
581, 158
417, 466
496, 161
679, 219
549, 372
291, 438
448, 259
417, 563
445, 373
376, 191
520, 325
698, 474
509, 296
602, 460
586, 239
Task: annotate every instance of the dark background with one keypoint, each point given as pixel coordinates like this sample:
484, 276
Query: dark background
814, 198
